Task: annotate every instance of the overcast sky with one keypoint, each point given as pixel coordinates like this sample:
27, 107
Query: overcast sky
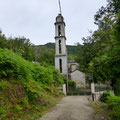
34, 19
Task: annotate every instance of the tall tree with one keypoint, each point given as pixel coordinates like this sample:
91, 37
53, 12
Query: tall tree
100, 53
21, 45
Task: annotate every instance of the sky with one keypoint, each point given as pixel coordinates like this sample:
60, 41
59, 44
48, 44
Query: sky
34, 19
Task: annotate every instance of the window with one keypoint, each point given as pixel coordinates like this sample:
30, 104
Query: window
60, 61
59, 30
60, 47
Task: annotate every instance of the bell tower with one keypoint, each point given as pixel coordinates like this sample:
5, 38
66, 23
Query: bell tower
60, 44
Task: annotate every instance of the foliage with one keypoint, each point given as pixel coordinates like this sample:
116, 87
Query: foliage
84, 54
104, 97
45, 53
71, 49
113, 103
100, 53
46, 57
25, 87
20, 45
72, 85
58, 78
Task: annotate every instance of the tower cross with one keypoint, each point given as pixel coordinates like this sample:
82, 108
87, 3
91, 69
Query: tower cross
60, 7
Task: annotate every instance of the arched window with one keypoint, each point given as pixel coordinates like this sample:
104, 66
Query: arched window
60, 47
59, 30
60, 62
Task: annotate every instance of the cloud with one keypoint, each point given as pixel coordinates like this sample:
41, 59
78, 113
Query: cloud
35, 19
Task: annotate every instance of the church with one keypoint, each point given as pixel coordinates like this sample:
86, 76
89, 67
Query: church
67, 68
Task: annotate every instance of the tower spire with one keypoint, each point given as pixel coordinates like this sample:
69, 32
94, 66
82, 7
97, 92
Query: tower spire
60, 7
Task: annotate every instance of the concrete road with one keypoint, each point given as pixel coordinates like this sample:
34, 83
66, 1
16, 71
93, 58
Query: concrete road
71, 108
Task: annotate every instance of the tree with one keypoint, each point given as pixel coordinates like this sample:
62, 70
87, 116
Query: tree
100, 53
20, 45
106, 65
46, 56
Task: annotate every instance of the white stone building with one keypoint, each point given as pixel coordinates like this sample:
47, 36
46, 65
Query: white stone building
79, 78
61, 63
60, 44
76, 75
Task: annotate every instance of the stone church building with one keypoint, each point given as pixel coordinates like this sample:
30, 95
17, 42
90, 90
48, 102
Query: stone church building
66, 68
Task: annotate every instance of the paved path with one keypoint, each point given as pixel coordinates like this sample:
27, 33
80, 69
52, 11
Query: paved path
71, 108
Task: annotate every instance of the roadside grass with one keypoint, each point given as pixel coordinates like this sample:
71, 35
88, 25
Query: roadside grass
27, 90
108, 107
37, 114
14, 105
101, 111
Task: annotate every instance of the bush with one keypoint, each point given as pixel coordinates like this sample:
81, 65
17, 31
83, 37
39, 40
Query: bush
105, 95
12, 66
71, 85
25, 85
58, 78
113, 103
116, 87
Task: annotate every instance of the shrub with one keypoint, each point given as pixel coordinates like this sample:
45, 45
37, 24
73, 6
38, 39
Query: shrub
105, 95
71, 85
13, 66
116, 87
43, 75
3, 84
58, 78
24, 84
113, 103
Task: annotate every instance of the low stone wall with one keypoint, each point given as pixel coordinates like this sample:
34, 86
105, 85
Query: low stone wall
96, 95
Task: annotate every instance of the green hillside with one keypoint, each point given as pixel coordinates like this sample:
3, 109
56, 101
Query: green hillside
50, 49
71, 49
27, 89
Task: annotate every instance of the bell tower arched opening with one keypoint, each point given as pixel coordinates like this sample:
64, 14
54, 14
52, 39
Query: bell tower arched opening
60, 63
60, 47
59, 30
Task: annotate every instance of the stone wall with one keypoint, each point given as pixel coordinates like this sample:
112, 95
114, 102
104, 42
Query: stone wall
79, 78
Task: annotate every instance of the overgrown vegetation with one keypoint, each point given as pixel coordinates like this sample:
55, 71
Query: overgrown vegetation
26, 89
105, 95
47, 52
21, 46
72, 85
99, 56
108, 107
44, 54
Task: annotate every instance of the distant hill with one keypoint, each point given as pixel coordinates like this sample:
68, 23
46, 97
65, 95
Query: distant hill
71, 49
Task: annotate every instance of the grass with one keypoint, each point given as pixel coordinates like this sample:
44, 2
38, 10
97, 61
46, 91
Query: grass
43, 109
101, 111
15, 106
27, 90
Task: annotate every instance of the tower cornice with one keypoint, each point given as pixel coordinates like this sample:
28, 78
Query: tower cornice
56, 23
60, 37
60, 55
